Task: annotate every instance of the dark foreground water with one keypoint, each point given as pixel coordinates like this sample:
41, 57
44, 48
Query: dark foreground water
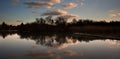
57, 46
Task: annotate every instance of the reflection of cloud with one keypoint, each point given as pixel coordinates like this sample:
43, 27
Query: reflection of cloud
39, 54
50, 54
69, 43
69, 5
55, 12
70, 52
56, 57
43, 55
39, 4
113, 42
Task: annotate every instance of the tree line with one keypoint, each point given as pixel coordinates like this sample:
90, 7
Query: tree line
60, 24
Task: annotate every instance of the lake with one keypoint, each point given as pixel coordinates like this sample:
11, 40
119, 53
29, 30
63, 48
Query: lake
57, 46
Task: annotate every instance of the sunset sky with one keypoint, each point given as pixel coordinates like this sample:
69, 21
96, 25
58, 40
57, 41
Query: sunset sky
17, 11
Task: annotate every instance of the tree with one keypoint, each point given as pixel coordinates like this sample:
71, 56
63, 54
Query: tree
74, 21
49, 20
4, 26
60, 20
40, 21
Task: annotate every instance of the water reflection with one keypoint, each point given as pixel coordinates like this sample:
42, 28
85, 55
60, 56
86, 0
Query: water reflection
56, 40
27, 45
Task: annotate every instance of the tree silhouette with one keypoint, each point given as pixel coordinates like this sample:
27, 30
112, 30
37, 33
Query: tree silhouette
59, 24
4, 26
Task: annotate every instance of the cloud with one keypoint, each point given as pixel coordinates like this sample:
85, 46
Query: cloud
19, 21
70, 16
69, 5
44, 55
118, 14
55, 1
81, 4
35, 12
110, 11
39, 4
82, 0
60, 13
113, 15
15, 2
55, 12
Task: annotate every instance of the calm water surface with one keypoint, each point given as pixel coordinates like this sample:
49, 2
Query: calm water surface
57, 46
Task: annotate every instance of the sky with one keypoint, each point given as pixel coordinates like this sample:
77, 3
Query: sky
17, 11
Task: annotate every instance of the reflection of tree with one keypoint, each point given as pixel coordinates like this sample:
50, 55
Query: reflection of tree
52, 39
6, 33
3, 34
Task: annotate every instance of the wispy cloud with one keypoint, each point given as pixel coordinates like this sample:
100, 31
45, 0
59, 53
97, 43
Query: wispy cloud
114, 13
19, 21
55, 12
70, 16
80, 3
39, 4
118, 14
55, 1
15, 2
69, 5
62, 13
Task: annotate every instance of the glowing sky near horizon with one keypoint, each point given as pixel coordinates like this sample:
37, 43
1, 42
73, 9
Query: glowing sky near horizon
17, 11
